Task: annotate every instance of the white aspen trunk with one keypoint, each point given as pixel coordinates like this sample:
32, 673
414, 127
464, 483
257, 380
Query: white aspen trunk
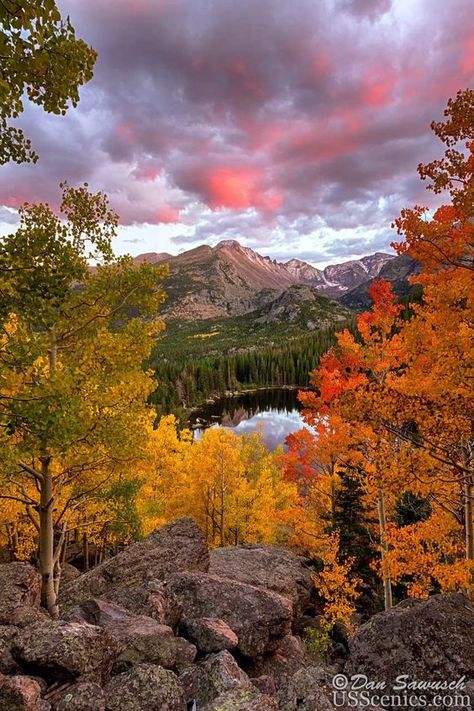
46, 540
387, 583
46, 527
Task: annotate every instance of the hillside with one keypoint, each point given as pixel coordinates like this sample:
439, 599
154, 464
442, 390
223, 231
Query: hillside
291, 314
169, 624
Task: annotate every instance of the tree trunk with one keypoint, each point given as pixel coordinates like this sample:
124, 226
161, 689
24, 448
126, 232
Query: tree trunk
387, 583
222, 515
468, 522
46, 526
85, 550
46, 540
333, 499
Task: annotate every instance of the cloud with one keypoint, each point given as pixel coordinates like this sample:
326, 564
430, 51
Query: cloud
8, 216
292, 124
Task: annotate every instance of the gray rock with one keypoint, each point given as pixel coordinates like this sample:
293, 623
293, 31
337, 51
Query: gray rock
308, 690
20, 693
210, 634
283, 663
7, 663
129, 579
68, 573
85, 696
142, 639
311, 689
242, 700
149, 599
213, 676
65, 651
270, 567
145, 687
426, 639
20, 584
259, 618
24, 616
265, 684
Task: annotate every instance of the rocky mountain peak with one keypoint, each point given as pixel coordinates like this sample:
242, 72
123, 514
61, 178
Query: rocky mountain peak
230, 278
229, 244
152, 257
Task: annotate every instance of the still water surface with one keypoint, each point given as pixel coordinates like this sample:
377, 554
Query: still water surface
274, 412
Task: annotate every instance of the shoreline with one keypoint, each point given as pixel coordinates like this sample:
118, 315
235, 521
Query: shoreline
236, 393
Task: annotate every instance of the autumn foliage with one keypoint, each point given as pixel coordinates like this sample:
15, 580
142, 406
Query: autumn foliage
393, 402
379, 484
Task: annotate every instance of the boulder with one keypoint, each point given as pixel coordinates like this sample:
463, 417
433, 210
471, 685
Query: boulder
265, 684
68, 573
242, 700
185, 655
309, 689
218, 673
85, 696
24, 616
20, 693
149, 599
20, 584
145, 687
61, 651
209, 634
426, 639
258, 617
7, 663
283, 663
142, 639
129, 578
270, 567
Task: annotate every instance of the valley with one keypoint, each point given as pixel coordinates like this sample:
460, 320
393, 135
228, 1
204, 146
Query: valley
237, 320
233, 481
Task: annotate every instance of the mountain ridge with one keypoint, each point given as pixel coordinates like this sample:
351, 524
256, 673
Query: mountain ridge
231, 279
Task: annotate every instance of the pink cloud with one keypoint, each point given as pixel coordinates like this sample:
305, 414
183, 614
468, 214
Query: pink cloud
125, 132
232, 187
467, 58
166, 216
241, 73
377, 88
147, 172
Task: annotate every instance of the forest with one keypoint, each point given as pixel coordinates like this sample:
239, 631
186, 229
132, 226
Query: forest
188, 383
378, 494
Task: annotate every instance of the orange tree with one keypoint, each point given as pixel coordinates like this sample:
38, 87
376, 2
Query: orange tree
406, 386
437, 342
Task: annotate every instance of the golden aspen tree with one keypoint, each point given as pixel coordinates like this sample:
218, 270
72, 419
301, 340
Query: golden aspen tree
73, 389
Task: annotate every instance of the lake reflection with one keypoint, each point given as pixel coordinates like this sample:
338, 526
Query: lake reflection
273, 412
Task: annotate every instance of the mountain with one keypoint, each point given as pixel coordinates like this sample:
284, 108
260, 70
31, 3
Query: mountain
304, 305
397, 271
283, 317
152, 257
336, 279
232, 280
305, 273
226, 280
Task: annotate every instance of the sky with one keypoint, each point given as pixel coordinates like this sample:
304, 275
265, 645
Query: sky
294, 127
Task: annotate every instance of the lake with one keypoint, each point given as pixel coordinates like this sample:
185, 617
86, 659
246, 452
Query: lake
275, 412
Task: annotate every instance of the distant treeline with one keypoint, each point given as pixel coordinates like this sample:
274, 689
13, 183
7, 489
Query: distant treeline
188, 383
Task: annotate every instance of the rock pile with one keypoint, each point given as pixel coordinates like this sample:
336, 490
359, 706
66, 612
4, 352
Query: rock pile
164, 626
